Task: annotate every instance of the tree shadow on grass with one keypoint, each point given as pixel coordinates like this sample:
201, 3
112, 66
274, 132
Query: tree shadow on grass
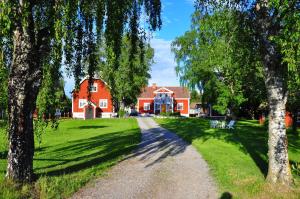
3, 154
158, 144
86, 153
88, 127
250, 138
226, 195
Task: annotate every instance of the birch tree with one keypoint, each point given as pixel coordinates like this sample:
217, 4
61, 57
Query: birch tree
275, 27
41, 32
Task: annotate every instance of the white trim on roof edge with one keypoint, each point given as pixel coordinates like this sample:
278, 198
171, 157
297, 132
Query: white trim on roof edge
95, 78
157, 91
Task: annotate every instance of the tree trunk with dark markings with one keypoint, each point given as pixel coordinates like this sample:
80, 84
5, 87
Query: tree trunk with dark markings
279, 168
276, 84
24, 83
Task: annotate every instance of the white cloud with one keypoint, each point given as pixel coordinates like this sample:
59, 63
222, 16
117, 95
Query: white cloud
163, 70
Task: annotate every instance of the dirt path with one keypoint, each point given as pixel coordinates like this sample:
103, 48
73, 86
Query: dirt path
163, 166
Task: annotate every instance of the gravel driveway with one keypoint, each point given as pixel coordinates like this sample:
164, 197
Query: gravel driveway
163, 166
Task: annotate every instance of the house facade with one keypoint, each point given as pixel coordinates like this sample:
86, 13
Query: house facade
156, 100
93, 104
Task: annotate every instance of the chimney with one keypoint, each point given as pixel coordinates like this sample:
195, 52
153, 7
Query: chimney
154, 86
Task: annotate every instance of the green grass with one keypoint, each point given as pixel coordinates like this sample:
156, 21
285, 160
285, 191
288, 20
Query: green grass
237, 158
72, 155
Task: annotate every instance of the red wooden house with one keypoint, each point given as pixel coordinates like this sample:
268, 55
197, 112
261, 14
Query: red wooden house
99, 104
156, 100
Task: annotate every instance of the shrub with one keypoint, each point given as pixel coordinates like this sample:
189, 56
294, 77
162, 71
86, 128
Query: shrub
295, 166
176, 114
4, 139
121, 113
170, 114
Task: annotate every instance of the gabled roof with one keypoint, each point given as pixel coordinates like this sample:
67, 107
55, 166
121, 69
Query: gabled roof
163, 90
179, 92
87, 78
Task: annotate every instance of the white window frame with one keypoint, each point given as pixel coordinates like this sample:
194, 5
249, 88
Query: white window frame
84, 101
105, 101
95, 85
147, 107
180, 105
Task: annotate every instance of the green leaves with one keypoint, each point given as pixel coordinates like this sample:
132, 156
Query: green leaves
78, 31
3, 87
132, 73
215, 57
5, 14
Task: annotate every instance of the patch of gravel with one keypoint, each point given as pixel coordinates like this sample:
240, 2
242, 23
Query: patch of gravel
163, 166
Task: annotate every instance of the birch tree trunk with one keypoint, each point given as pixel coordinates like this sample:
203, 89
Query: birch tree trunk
275, 81
276, 84
21, 105
24, 82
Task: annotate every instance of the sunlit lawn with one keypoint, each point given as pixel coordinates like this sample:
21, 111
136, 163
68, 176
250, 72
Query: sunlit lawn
237, 158
72, 155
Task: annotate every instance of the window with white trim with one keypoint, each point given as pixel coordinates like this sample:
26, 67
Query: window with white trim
146, 106
94, 88
180, 106
82, 103
103, 103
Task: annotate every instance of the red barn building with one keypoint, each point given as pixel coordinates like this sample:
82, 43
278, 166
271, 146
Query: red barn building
99, 104
156, 100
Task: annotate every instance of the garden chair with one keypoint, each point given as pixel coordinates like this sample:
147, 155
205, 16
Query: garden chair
222, 124
213, 123
230, 125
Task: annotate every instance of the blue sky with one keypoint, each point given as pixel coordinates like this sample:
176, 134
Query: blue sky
176, 20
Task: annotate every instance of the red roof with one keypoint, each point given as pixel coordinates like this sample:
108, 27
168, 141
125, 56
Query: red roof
179, 92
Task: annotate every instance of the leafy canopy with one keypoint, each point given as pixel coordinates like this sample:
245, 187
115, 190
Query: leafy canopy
74, 30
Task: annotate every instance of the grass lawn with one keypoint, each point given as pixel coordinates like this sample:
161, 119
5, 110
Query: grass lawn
237, 158
72, 155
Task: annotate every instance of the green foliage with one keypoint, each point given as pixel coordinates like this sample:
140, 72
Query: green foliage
293, 103
266, 123
3, 138
63, 167
75, 29
206, 59
121, 113
51, 97
132, 73
195, 96
295, 166
3, 87
40, 125
289, 35
238, 159
248, 38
